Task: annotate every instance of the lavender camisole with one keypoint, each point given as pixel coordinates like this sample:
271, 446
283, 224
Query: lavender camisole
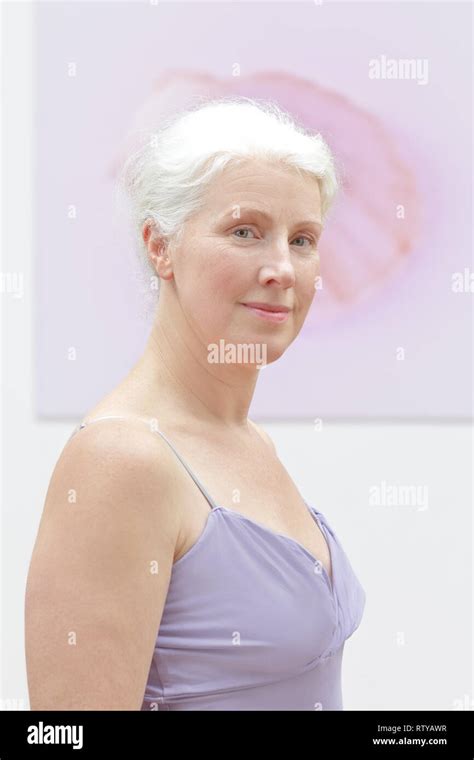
252, 620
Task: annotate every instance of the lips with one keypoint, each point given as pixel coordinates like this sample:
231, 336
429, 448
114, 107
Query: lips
268, 307
268, 312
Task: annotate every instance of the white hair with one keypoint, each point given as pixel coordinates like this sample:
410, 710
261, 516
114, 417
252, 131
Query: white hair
166, 179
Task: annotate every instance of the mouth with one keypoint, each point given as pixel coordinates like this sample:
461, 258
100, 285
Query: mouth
271, 313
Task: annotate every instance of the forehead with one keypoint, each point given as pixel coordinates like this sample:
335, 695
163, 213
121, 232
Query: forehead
268, 187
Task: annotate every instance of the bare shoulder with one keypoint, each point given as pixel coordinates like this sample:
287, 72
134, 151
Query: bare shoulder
264, 435
120, 462
100, 570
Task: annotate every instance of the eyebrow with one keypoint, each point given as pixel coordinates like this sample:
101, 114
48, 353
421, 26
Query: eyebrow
268, 217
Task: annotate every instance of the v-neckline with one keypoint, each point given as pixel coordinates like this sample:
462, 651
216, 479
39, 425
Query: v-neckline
314, 514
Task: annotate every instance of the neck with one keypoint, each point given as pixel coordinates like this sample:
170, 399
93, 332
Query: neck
174, 375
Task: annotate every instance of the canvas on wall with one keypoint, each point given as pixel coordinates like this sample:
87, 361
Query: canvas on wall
389, 332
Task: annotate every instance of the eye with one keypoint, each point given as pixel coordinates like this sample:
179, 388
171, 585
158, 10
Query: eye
242, 229
309, 239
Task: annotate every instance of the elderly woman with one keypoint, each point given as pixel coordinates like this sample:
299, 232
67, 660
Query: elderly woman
177, 566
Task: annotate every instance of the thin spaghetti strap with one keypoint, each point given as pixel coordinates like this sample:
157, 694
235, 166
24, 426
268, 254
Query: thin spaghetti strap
82, 425
154, 429
203, 490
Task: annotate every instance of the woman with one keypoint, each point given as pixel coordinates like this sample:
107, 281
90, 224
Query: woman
145, 591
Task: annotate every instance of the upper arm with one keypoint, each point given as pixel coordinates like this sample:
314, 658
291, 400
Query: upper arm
99, 574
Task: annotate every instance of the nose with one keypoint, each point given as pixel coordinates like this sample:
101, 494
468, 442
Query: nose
279, 268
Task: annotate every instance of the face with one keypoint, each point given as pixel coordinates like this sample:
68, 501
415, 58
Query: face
255, 240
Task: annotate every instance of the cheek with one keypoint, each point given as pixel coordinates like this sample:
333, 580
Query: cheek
229, 275
305, 293
211, 296
206, 271
305, 300
310, 282
224, 278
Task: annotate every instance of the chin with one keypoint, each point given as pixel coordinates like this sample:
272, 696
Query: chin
274, 350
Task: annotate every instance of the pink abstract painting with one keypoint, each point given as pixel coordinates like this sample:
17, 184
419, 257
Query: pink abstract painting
389, 333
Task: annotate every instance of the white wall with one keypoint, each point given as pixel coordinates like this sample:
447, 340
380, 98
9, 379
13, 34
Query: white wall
413, 649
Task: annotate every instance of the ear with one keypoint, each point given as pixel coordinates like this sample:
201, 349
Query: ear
157, 249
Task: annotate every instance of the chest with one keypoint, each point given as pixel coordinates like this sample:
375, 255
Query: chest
250, 480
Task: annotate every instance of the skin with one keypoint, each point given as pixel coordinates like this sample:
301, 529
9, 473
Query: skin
119, 500
273, 264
